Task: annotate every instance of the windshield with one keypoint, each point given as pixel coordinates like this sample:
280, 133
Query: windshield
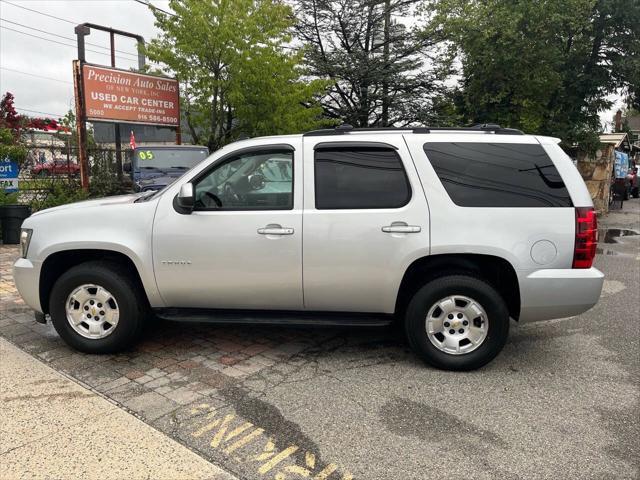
163, 158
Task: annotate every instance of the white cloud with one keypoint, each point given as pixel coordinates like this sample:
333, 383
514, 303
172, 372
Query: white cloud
44, 58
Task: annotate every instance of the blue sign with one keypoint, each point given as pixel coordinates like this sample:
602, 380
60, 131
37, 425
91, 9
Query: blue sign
621, 164
9, 175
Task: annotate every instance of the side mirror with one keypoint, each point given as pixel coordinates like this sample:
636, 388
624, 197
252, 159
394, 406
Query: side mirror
126, 167
186, 197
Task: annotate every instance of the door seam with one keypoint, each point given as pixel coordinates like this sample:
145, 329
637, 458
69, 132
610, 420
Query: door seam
424, 192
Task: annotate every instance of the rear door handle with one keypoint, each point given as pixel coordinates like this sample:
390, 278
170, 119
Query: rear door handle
401, 228
275, 230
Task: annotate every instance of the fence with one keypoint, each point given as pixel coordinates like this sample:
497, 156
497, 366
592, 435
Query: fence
51, 169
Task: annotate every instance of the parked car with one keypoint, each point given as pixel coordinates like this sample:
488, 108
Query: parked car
450, 232
153, 167
56, 167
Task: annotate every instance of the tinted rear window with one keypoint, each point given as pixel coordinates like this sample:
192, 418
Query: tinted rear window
360, 177
498, 174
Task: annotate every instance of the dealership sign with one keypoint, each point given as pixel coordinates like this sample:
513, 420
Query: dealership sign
9, 175
112, 95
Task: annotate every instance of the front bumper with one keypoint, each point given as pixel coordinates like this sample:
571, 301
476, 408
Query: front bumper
559, 293
26, 275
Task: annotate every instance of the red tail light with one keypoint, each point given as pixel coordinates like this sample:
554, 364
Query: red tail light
586, 237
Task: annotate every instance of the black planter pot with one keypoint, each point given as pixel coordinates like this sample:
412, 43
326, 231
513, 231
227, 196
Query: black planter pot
11, 217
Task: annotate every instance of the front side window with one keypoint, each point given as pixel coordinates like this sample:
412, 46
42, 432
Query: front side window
360, 177
260, 180
497, 174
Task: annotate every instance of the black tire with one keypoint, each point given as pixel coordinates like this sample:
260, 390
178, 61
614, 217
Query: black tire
468, 286
131, 302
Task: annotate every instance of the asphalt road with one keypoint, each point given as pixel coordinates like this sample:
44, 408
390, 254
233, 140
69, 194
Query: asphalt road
561, 401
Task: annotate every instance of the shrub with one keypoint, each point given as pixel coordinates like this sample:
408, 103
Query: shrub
60, 193
104, 183
8, 198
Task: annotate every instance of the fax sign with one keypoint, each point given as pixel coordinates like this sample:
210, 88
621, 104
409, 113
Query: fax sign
9, 175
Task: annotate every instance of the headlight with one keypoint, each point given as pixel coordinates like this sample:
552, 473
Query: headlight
25, 239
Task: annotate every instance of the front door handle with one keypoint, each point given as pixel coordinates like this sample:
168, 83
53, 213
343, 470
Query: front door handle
273, 229
401, 227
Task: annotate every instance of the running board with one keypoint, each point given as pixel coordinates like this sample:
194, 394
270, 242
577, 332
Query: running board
267, 317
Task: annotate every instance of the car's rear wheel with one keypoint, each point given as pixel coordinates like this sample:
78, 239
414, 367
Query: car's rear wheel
96, 307
457, 322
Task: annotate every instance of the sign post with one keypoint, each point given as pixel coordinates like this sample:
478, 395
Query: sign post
112, 42
81, 127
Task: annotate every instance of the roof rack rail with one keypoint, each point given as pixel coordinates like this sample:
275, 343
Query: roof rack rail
494, 127
346, 128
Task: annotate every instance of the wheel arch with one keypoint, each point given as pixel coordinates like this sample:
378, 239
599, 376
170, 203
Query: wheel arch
59, 262
495, 270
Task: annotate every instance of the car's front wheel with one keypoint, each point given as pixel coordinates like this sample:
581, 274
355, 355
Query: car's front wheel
457, 322
97, 307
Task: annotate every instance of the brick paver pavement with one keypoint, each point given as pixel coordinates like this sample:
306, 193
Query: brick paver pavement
177, 361
178, 369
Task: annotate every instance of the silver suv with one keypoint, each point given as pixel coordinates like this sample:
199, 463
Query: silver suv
450, 231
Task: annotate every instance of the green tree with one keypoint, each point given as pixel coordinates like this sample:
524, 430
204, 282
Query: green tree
236, 74
546, 66
382, 71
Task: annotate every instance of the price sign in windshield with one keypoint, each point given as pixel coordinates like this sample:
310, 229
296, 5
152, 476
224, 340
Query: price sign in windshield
145, 155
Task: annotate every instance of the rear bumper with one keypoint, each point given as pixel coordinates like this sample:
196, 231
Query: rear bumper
26, 276
559, 293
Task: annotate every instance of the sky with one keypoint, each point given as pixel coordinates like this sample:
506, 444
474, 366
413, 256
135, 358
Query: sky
25, 60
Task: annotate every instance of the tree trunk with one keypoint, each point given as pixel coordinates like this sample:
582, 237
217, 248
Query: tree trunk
192, 130
385, 72
229, 120
213, 141
364, 81
221, 117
